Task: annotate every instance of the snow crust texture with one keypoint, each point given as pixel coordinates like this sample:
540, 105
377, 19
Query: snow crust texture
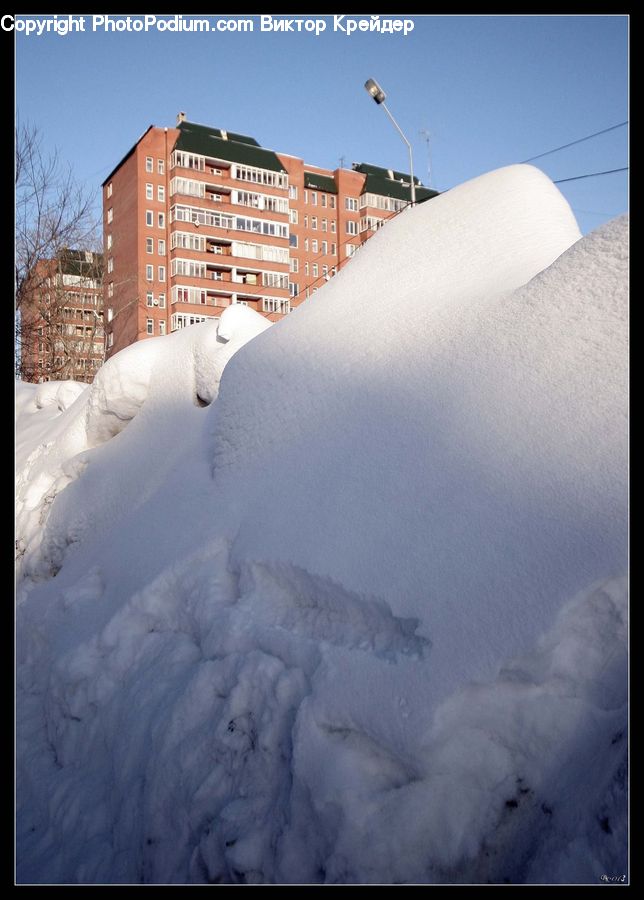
341, 600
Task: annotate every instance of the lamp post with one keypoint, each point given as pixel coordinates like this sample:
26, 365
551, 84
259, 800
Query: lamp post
374, 90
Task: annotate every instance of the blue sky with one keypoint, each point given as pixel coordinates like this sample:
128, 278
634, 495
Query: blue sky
490, 90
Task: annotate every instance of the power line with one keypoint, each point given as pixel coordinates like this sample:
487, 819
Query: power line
579, 141
591, 175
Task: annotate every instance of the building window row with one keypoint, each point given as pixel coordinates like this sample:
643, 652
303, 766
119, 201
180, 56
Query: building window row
275, 305
261, 201
184, 240
149, 273
149, 192
197, 269
265, 252
151, 300
377, 201
225, 220
188, 160
149, 165
182, 320
325, 199
149, 246
260, 176
371, 223
149, 219
150, 326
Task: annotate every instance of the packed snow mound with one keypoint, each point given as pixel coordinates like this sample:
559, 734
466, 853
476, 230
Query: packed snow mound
180, 371
356, 613
478, 434
122, 385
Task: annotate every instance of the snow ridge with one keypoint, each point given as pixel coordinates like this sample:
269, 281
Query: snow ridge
343, 599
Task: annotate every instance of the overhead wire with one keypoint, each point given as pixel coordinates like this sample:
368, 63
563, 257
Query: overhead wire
578, 141
591, 175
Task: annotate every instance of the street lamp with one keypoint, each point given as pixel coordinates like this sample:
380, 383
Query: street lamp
374, 90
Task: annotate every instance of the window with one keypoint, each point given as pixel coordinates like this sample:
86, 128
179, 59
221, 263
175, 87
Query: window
351, 249
149, 164
188, 161
292, 216
109, 242
352, 227
292, 192
161, 324
161, 220
294, 288
110, 289
314, 268
292, 240
306, 221
306, 245
161, 166
324, 224
314, 198
149, 299
149, 273
333, 249
149, 218
161, 248
110, 264
161, 273
323, 199
259, 176
351, 203
293, 265
325, 271
149, 245
314, 223
110, 313
314, 246
324, 247
149, 192
162, 301
332, 201
306, 268
306, 196
150, 326
160, 193
273, 304
332, 227
108, 193
110, 340
110, 215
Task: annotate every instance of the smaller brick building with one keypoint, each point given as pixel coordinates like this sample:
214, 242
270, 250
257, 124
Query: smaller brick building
61, 326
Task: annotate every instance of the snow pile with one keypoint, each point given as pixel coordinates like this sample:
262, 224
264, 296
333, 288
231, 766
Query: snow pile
362, 618
56, 438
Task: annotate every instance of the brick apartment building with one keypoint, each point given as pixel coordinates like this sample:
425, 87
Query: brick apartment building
61, 320
196, 219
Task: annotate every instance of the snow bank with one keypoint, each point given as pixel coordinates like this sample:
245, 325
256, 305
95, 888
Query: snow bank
364, 599
179, 372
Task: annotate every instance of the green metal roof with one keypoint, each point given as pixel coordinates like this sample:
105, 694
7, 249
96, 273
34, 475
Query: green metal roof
378, 181
320, 182
237, 148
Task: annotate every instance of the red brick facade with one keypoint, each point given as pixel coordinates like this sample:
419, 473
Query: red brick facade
196, 219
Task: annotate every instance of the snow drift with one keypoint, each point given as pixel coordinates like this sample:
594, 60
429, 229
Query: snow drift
357, 612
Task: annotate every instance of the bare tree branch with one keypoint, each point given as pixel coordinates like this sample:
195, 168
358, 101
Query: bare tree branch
52, 214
